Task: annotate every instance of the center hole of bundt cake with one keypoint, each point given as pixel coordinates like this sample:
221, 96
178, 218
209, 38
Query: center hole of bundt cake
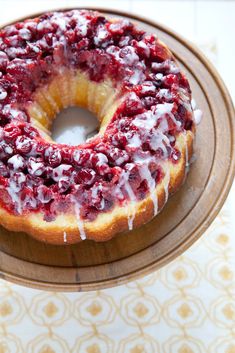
74, 125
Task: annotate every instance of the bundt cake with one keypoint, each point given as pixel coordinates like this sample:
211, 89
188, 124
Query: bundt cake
120, 178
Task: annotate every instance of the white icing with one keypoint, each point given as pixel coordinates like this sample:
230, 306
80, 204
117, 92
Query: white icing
149, 119
157, 141
147, 88
13, 190
41, 195
197, 116
3, 94
131, 215
186, 149
35, 168
8, 149
193, 104
65, 237
121, 160
21, 143
164, 93
80, 222
134, 141
101, 34
145, 121
16, 161
29, 200
159, 76
166, 181
131, 209
25, 33
82, 22
126, 56
102, 159
173, 68
144, 46
137, 77
44, 25
58, 172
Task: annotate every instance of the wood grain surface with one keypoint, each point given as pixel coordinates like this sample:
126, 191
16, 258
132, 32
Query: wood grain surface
90, 266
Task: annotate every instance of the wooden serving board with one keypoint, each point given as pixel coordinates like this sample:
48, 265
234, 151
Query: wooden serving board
89, 265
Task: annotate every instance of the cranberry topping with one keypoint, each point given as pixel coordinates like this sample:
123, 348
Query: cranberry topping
124, 163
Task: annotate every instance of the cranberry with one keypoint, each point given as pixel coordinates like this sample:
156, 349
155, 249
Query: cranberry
11, 132
119, 26
81, 157
147, 89
159, 52
25, 34
86, 176
118, 157
162, 67
175, 155
4, 172
23, 144
3, 60
17, 181
132, 105
133, 175
36, 166
16, 162
63, 185
63, 171
148, 102
33, 181
66, 154
44, 194
102, 37
83, 44
99, 162
31, 132
48, 172
102, 147
54, 158
5, 150
142, 48
124, 41
188, 124
119, 140
108, 203
170, 80
142, 190
28, 199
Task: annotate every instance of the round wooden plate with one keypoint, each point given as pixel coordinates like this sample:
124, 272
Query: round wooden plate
89, 265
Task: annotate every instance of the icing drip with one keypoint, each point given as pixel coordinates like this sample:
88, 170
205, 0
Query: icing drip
197, 113
80, 222
131, 215
186, 149
197, 116
167, 181
13, 191
65, 237
131, 209
146, 175
155, 202
15, 199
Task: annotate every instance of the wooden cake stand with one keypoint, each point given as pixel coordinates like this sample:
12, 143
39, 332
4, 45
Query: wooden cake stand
91, 266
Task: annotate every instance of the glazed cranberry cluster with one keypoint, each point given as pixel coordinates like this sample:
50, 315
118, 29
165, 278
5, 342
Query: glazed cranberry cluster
155, 107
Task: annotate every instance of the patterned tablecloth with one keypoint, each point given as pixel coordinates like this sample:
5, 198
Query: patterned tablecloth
186, 307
